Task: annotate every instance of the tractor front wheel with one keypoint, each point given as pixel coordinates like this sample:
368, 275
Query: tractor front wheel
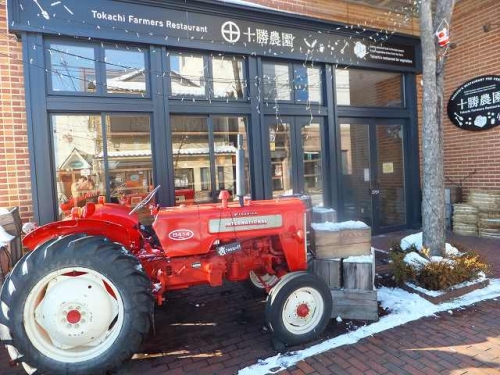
298, 308
75, 305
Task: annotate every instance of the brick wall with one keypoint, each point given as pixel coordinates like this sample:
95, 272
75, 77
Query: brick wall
15, 183
477, 54
349, 13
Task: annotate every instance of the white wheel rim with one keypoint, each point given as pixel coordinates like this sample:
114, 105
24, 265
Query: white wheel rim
72, 316
270, 280
302, 311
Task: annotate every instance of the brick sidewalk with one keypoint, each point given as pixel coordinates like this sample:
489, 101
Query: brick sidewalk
220, 330
466, 342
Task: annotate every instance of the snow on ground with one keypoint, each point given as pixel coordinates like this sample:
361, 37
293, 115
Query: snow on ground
334, 227
404, 307
416, 239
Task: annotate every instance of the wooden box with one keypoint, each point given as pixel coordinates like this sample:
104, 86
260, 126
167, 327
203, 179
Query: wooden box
359, 305
342, 243
358, 275
330, 271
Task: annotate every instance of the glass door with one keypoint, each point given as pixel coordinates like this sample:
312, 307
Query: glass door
373, 173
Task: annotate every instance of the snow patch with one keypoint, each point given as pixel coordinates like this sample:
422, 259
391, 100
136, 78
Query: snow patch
322, 210
335, 227
404, 307
359, 259
415, 261
5, 237
416, 239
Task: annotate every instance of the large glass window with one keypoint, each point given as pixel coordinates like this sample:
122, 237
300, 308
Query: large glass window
276, 79
305, 88
366, 88
72, 68
125, 71
207, 77
187, 75
198, 176
88, 164
313, 171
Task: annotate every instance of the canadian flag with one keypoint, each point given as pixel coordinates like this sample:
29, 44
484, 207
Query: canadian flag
443, 37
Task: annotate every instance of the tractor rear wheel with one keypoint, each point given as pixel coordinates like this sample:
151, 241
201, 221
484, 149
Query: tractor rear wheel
298, 308
75, 305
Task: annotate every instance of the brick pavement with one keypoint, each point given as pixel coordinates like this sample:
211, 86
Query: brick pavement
220, 330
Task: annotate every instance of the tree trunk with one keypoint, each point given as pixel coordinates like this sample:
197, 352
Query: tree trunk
433, 204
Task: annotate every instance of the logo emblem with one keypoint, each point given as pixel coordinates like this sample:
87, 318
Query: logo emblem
360, 50
181, 234
230, 32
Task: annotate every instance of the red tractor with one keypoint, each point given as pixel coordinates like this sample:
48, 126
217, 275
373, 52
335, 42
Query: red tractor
81, 301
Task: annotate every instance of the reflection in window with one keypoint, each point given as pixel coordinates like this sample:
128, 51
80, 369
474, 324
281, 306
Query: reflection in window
276, 79
191, 154
366, 88
129, 157
80, 159
281, 158
125, 71
187, 75
227, 77
226, 130
313, 174
72, 68
307, 84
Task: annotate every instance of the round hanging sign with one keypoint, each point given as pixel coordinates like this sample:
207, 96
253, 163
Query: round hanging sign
476, 104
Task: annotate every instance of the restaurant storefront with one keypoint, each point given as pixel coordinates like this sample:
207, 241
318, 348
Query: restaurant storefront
123, 96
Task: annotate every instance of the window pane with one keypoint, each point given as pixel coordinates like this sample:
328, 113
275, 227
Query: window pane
281, 158
307, 84
187, 74
72, 68
313, 174
366, 88
226, 130
190, 145
129, 158
125, 71
276, 79
228, 79
79, 169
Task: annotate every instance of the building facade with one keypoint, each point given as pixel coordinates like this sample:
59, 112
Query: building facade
112, 98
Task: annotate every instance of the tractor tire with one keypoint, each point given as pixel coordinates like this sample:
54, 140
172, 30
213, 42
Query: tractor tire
75, 305
255, 286
298, 308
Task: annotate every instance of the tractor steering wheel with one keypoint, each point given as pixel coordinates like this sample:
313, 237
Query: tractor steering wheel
145, 201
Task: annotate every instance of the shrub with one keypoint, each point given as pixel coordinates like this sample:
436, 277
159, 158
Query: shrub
439, 275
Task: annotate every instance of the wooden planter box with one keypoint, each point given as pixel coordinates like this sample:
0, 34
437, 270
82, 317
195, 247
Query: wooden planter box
342, 243
448, 294
330, 271
354, 304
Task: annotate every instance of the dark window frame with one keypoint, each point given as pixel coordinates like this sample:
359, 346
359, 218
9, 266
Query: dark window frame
100, 68
208, 77
292, 67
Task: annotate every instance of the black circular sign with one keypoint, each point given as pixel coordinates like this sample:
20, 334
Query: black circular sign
476, 104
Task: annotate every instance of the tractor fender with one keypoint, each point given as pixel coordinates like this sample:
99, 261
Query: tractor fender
127, 236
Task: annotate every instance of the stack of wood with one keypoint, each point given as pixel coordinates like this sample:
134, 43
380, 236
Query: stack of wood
344, 260
488, 205
465, 219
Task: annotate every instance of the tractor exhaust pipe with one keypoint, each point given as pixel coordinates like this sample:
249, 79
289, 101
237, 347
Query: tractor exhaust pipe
240, 171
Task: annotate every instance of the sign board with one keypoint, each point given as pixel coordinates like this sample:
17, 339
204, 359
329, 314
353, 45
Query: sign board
133, 23
388, 167
476, 104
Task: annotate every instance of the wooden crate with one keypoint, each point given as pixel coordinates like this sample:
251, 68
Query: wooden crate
330, 271
360, 305
11, 222
357, 275
342, 243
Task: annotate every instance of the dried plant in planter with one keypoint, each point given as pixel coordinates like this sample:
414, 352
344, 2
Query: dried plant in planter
437, 274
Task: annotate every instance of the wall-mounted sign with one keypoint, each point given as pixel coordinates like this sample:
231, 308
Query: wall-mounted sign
388, 167
476, 104
117, 20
